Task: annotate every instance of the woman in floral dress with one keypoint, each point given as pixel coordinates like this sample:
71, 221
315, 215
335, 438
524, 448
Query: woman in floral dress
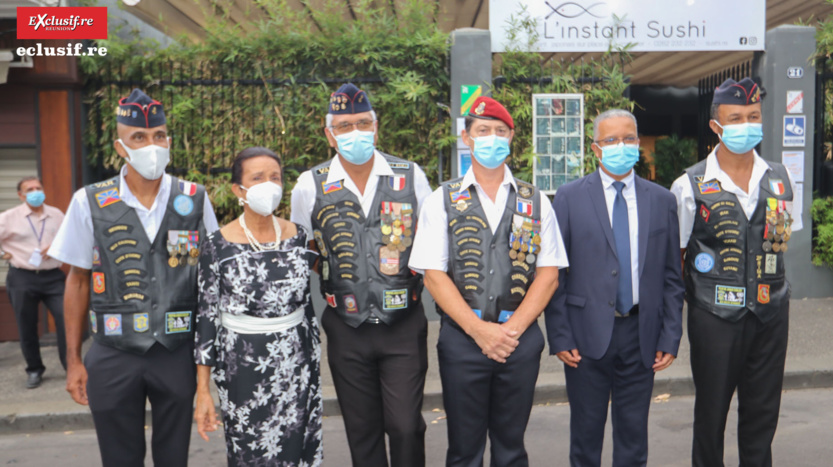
256, 333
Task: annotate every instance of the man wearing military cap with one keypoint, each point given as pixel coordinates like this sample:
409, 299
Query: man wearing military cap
133, 243
735, 225
361, 208
490, 248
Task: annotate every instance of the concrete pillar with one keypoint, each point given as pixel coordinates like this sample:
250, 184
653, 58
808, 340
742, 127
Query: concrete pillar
786, 66
471, 65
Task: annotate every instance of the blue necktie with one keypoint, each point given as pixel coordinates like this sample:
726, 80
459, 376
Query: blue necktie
621, 234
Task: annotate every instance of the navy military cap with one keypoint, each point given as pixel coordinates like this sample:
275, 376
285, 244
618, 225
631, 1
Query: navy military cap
140, 110
743, 92
349, 100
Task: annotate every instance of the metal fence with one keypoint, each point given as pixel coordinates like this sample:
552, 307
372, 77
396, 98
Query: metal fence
215, 109
706, 139
822, 146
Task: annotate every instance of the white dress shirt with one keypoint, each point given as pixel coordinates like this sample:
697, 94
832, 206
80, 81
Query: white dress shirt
629, 193
430, 250
687, 206
74, 242
303, 194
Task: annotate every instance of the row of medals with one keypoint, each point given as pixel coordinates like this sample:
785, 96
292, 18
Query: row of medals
180, 254
777, 233
397, 233
524, 243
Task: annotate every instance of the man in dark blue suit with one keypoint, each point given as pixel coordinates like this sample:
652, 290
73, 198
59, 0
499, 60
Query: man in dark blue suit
617, 317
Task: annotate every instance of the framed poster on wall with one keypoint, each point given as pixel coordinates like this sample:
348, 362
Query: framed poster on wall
558, 129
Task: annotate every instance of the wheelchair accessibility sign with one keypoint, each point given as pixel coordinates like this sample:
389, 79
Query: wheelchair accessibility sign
794, 131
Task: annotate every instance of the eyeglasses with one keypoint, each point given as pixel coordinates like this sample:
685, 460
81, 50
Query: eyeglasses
612, 141
345, 127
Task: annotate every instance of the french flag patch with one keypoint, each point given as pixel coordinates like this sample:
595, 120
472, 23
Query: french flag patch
397, 182
188, 188
525, 207
777, 186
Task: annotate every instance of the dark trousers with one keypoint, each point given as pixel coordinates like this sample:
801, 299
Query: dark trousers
27, 290
483, 396
379, 376
621, 380
748, 355
118, 386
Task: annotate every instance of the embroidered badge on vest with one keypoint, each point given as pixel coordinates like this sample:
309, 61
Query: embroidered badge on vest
107, 197
187, 188
397, 182
183, 205
777, 186
140, 322
763, 293
98, 282
708, 188
331, 187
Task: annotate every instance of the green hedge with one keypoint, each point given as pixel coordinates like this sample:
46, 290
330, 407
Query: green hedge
271, 88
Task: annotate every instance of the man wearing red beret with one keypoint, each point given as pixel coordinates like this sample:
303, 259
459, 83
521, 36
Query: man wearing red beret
490, 248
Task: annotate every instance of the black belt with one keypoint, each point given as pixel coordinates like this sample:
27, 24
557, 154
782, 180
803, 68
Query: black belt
632, 312
33, 271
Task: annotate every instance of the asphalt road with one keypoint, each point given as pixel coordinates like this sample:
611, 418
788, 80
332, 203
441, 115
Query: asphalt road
803, 438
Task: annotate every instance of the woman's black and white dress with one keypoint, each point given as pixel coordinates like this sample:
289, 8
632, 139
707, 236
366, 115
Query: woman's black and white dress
269, 384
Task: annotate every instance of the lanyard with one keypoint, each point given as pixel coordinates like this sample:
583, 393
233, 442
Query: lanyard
42, 225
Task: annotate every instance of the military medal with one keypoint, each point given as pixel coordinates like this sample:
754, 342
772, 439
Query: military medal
173, 261
776, 247
401, 247
521, 256
516, 245
193, 260
784, 248
767, 246
407, 241
325, 270
513, 254
461, 205
530, 258
386, 229
779, 229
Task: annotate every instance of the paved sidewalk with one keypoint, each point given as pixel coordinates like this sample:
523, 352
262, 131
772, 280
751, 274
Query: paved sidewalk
49, 408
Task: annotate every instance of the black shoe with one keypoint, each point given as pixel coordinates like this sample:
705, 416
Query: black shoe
34, 380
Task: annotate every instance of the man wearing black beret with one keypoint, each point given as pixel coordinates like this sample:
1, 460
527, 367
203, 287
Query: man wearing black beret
735, 224
133, 242
361, 208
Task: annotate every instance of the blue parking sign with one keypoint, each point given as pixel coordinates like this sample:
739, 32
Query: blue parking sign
795, 130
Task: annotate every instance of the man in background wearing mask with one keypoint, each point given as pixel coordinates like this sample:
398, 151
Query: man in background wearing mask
735, 221
133, 242
361, 209
26, 232
490, 249
617, 318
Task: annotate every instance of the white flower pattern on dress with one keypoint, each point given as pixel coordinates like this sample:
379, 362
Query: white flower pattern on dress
269, 385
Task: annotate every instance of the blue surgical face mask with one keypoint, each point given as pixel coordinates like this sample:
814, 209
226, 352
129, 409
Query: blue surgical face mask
35, 198
619, 158
741, 138
357, 146
490, 151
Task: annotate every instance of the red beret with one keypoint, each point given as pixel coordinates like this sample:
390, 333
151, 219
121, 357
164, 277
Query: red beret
488, 108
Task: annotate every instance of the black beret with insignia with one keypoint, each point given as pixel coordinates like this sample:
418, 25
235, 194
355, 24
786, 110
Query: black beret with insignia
140, 110
349, 100
743, 92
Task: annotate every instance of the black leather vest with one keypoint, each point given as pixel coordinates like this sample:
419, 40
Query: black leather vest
144, 291
364, 261
492, 272
735, 265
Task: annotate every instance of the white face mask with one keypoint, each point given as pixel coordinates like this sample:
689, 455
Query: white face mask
263, 198
149, 161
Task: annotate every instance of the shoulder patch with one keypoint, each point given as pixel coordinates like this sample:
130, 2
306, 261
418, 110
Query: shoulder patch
322, 170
